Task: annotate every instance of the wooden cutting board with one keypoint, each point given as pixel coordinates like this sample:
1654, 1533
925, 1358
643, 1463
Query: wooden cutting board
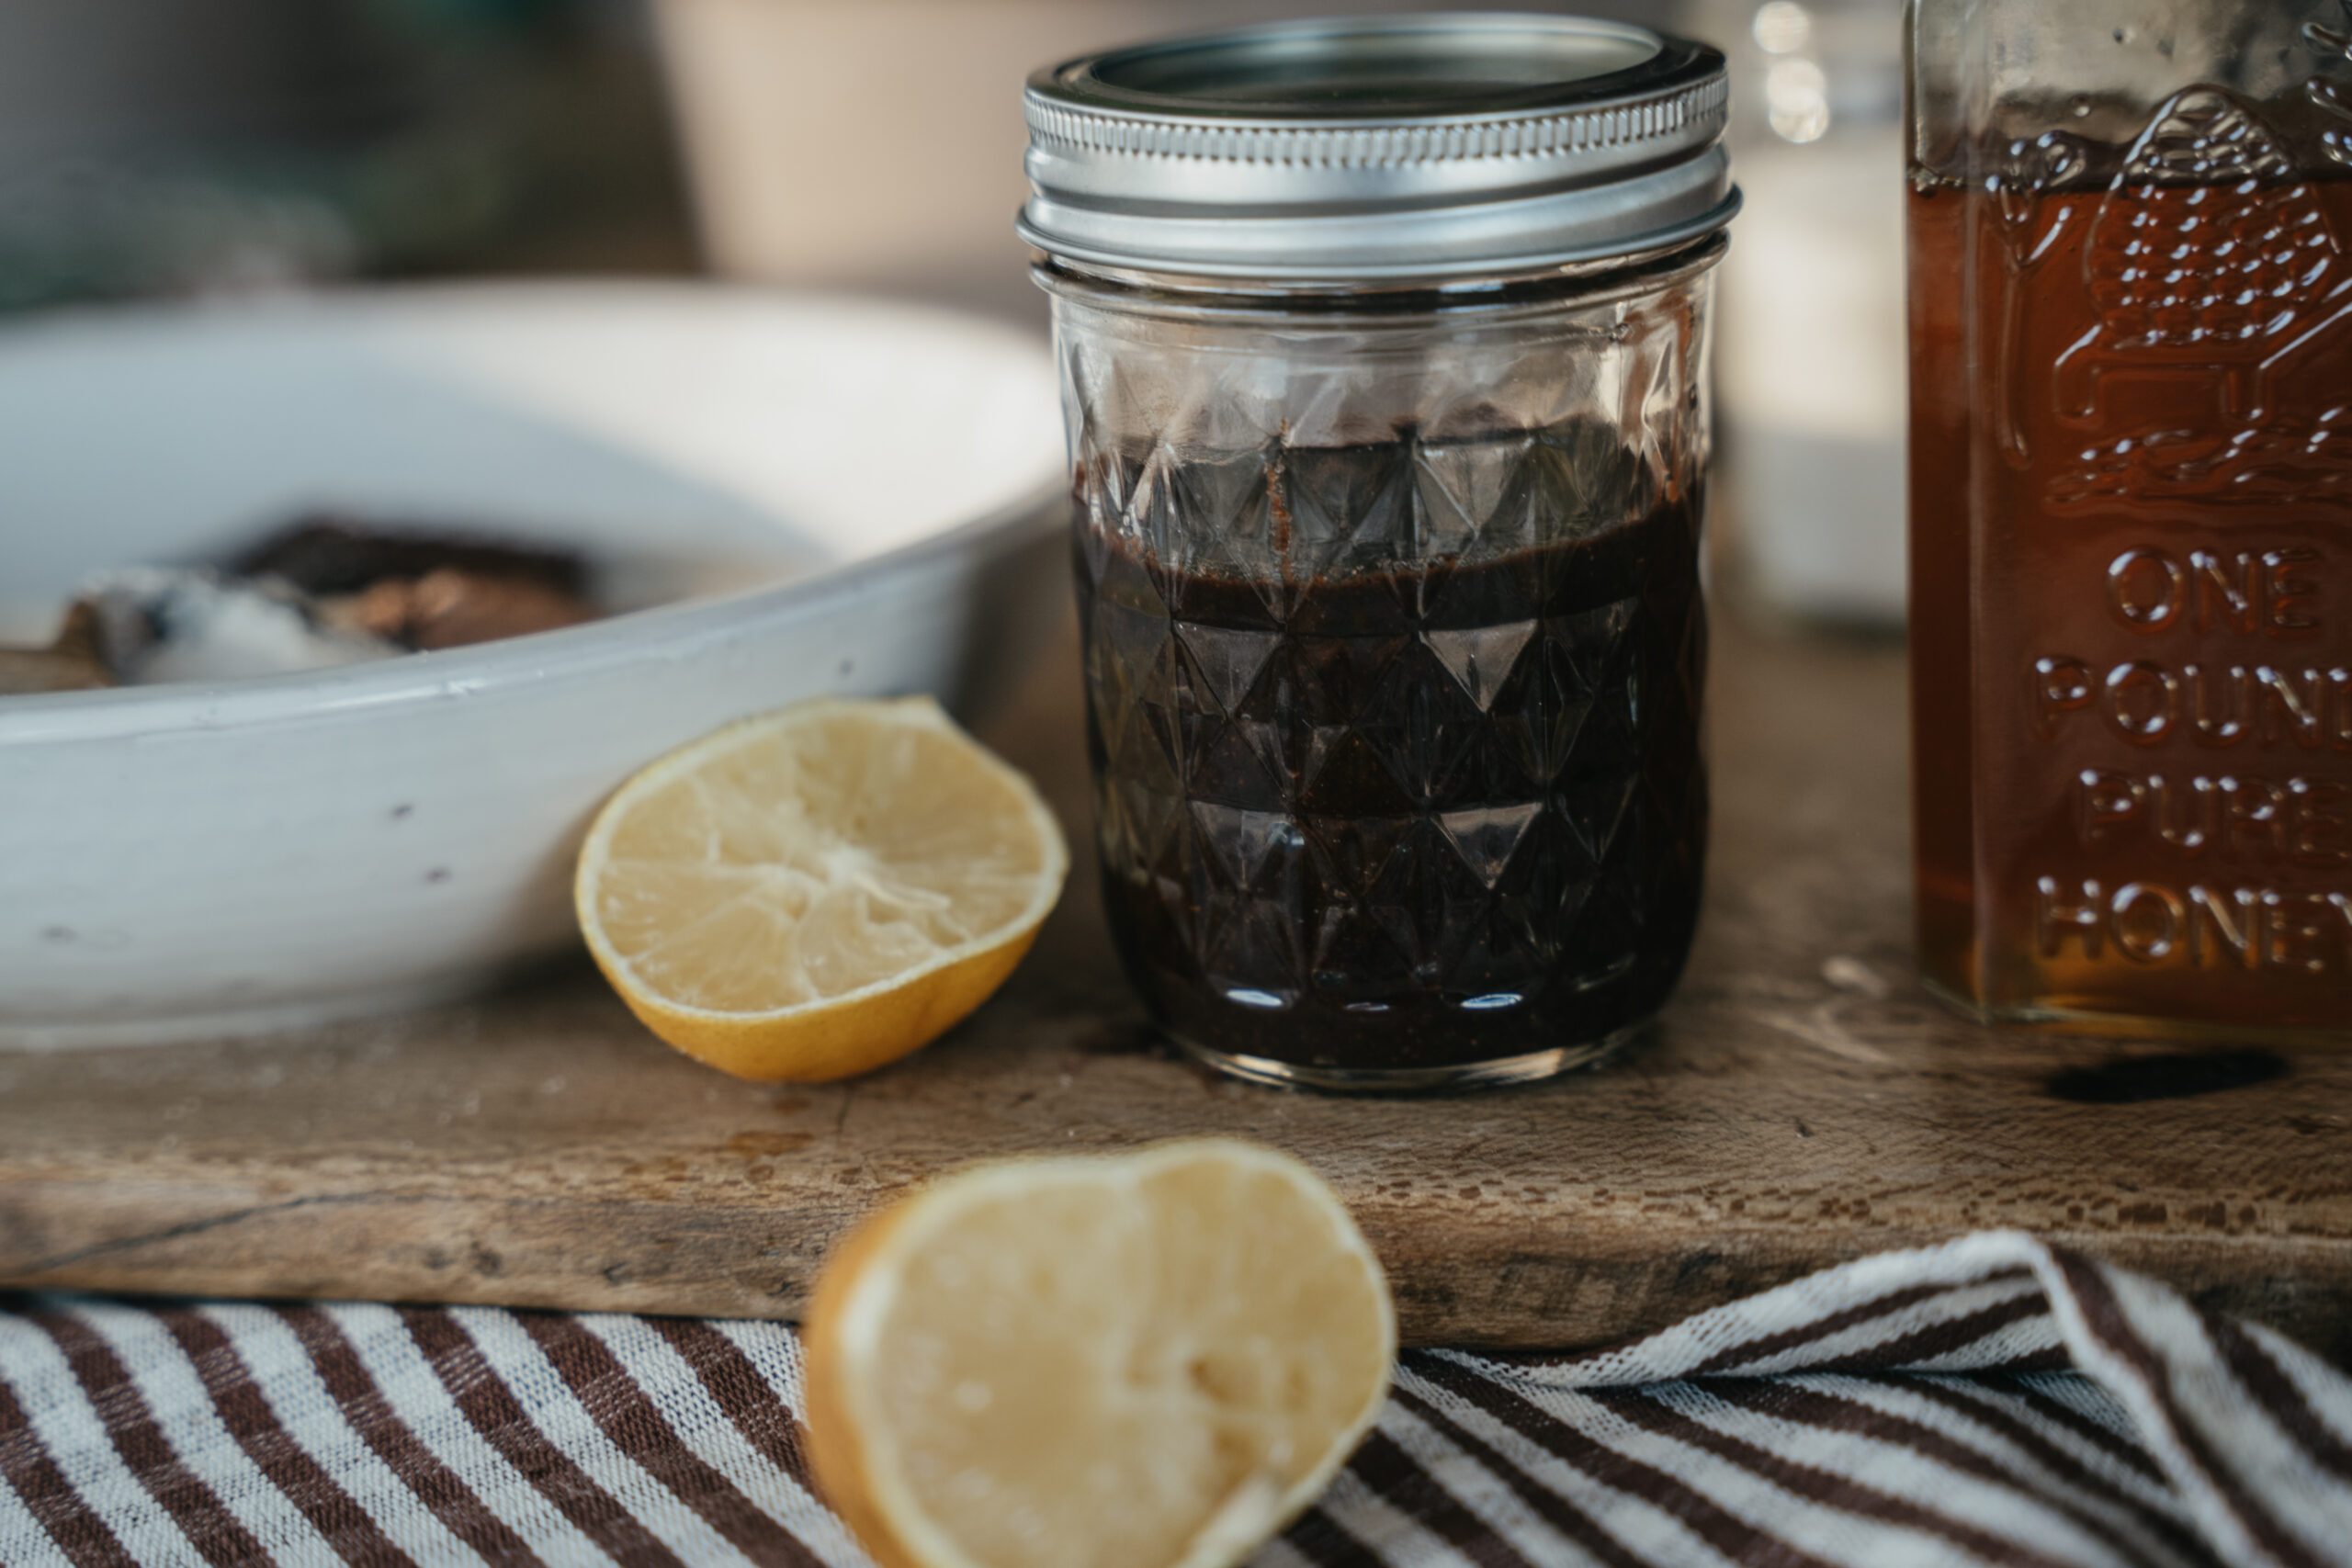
1802, 1102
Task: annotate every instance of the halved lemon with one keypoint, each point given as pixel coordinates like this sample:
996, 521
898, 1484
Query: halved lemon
1145, 1360
819, 891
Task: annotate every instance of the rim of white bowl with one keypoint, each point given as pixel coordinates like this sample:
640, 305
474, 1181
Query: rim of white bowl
564, 653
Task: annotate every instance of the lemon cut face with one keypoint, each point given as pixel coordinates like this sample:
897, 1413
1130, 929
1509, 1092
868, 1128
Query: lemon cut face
1149, 1360
819, 891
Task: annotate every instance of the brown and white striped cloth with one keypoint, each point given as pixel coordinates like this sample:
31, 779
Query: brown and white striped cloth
1992, 1401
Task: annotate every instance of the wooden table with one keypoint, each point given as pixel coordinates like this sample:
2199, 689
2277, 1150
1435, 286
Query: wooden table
1801, 1103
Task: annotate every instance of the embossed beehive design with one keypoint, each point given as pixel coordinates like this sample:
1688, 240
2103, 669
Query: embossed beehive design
2209, 237
2209, 256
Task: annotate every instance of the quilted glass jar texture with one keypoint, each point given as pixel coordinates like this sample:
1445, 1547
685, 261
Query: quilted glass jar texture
1393, 646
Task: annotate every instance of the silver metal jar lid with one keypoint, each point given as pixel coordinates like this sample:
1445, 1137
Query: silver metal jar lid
1426, 146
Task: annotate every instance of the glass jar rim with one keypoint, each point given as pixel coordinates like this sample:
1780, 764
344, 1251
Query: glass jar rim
1347, 306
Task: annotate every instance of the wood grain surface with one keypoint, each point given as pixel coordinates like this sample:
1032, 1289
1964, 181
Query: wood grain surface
1802, 1102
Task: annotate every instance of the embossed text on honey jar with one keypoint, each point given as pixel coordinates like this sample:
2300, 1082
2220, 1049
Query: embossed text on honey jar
2214, 695
2295, 820
2197, 925
2217, 829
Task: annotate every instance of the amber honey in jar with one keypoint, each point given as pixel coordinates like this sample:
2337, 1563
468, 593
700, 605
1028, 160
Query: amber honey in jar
2130, 254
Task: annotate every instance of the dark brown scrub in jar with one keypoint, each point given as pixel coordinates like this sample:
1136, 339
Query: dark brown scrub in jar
1385, 528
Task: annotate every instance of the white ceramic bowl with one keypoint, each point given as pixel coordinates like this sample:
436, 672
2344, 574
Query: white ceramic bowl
185, 861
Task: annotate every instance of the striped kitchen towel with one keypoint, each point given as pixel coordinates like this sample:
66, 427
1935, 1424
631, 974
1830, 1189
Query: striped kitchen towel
1992, 1401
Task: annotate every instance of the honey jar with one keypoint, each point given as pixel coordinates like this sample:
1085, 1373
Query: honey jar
2130, 316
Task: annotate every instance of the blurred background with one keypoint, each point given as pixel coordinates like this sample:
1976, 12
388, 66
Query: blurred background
179, 148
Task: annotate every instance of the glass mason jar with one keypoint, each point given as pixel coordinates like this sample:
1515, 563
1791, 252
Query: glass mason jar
1384, 347
2131, 510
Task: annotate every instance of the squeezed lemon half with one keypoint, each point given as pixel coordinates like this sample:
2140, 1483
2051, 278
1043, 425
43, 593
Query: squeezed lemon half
817, 891
1147, 1361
